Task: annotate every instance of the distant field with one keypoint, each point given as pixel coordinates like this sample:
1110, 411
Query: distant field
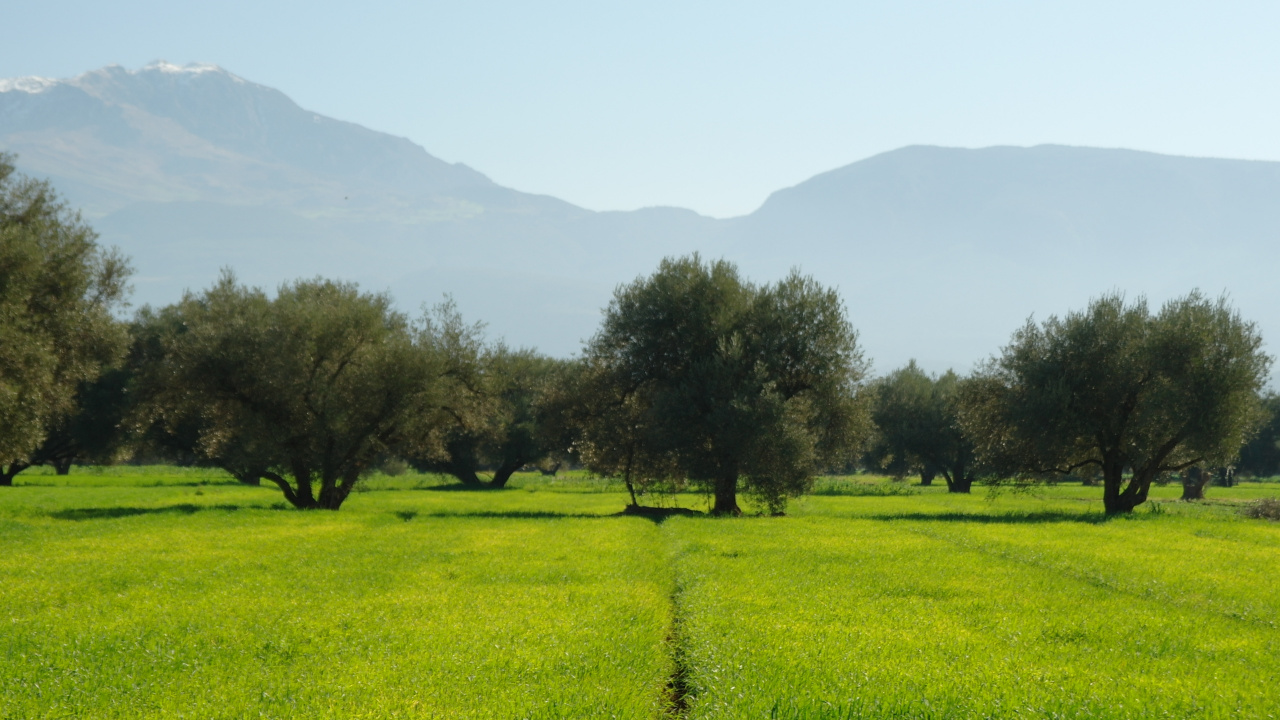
164, 592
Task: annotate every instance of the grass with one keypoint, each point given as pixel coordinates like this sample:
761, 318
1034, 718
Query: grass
937, 617
170, 593
218, 606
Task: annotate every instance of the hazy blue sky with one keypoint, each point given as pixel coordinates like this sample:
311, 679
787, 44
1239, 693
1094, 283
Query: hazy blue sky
710, 105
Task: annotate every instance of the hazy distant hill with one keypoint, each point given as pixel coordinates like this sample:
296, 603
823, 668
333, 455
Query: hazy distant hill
192, 168
945, 251
939, 252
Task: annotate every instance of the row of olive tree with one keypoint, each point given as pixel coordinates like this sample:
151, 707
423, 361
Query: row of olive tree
307, 389
1116, 389
697, 378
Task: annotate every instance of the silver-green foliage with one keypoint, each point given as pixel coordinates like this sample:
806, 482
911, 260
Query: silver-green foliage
917, 423
701, 376
310, 390
58, 289
1130, 392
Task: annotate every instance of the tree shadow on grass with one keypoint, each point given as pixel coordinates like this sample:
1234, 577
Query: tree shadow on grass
657, 515
458, 487
1034, 518
517, 514
119, 512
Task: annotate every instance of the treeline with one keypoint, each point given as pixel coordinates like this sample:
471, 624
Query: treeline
696, 380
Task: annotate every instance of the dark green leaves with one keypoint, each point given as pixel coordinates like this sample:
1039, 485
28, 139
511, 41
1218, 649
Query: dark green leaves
697, 375
58, 290
1133, 393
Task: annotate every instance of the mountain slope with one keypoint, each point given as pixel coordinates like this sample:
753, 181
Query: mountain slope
939, 252
946, 251
204, 133
189, 169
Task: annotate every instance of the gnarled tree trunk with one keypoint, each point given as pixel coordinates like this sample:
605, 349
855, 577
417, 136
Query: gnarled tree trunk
335, 490
726, 496
8, 473
1194, 480
958, 480
465, 472
504, 472
1119, 497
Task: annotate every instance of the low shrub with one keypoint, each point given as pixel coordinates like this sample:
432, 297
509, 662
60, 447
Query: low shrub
853, 488
1264, 509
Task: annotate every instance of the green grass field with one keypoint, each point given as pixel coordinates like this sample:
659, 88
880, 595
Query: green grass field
161, 592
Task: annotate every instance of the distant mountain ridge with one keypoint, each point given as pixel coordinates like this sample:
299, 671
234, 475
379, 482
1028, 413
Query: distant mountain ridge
209, 121
939, 252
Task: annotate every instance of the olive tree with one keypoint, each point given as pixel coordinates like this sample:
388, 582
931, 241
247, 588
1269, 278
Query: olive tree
589, 414
522, 379
94, 430
502, 430
165, 426
917, 422
58, 291
1260, 457
310, 389
1133, 393
726, 385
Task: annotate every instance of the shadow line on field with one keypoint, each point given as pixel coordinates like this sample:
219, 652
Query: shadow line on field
463, 487
998, 518
656, 515
93, 481
76, 514
518, 514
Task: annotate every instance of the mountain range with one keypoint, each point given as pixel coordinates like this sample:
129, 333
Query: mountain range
940, 253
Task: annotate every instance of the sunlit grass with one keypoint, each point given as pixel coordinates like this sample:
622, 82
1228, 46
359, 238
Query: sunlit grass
940, 606
388, 608
171, 593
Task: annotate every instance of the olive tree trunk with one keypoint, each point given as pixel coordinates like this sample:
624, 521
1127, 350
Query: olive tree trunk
504, 472
958, 480
1120, 497
7, 474
1194, 481
465, 473
726, 496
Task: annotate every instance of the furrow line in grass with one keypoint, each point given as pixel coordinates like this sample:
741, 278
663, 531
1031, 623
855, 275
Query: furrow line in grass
677, 690
1099, 580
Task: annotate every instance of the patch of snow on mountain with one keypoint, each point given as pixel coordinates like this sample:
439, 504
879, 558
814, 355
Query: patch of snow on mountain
30, 84
195, 68
35, 84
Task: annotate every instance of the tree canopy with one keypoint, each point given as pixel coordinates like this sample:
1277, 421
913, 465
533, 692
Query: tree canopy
310, 389
58, 290
699, 376
504, 432
917, 421
1260, 457
1117, 387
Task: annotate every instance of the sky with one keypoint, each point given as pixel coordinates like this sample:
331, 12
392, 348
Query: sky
710, 105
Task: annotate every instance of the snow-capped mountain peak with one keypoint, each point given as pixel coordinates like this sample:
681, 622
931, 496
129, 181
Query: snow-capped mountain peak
190, 69
35, 84
31, 84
